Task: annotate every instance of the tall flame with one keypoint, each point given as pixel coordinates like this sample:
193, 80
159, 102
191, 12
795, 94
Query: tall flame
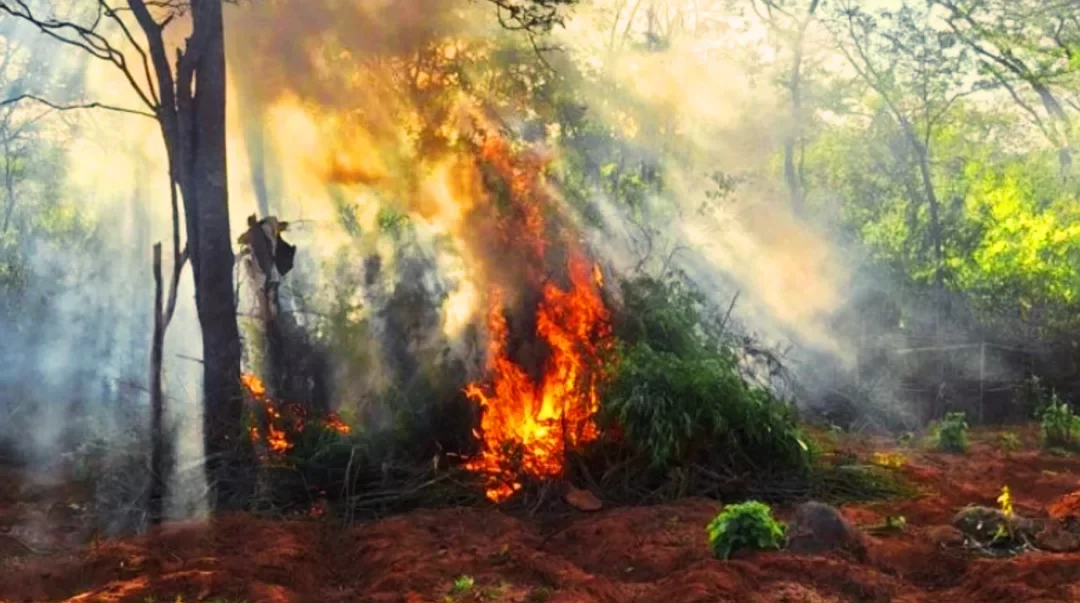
528, 426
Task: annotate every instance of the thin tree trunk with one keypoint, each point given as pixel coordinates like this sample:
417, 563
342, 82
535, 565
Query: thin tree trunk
156, 505
1062, 121
791, 174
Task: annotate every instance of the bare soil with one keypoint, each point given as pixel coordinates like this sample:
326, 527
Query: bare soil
653, 554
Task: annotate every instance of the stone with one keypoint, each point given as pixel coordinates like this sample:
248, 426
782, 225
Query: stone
583, 500
945, 536
1056, 539
820, 528
983, 523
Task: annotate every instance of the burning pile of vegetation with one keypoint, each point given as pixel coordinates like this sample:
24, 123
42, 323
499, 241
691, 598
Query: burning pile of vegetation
528, 424
641, 377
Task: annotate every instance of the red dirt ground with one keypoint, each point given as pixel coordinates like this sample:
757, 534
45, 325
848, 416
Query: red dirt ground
643, 555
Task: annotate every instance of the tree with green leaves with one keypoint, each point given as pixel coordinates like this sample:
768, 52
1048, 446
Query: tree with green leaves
917, 75
1031, 48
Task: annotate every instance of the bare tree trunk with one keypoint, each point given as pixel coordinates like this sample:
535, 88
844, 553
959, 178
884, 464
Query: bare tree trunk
936, 238
156, 503
227, 450
792, 174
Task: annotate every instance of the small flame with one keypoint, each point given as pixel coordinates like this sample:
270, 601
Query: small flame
334, 423
253, 384
282, 420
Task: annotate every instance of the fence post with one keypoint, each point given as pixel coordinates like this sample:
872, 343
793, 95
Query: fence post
982, 381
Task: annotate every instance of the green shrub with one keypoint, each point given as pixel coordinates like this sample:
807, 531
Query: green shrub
745, 525
1060, 426
1009, 442
677, 394
952, 432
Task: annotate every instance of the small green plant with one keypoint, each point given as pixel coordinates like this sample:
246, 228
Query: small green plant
745, 525
1060, 426
896, 523
1004, 535
1009, 442
494, 592
952, 432
540, 594
892, 524
462, 585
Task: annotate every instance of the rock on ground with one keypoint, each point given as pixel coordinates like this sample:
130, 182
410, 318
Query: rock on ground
820, 528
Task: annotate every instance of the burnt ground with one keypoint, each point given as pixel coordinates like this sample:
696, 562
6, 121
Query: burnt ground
653, 554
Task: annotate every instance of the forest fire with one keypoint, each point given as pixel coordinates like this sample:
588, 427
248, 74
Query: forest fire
279, 420
528, 425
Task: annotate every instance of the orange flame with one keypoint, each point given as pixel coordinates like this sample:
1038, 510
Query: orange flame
528, 427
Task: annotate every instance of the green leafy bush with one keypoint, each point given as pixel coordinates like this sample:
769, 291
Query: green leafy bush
1060, 426
1009, 442
952, 432
676, 392
745, 525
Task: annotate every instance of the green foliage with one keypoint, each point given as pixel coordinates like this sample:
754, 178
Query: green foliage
539, 595
1009, 442
677, 392
462, 585
952, 432
744, 525
1060, 426
391, 222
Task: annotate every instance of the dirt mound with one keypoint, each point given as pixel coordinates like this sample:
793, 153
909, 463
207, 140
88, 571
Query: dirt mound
1065, 507
653, 554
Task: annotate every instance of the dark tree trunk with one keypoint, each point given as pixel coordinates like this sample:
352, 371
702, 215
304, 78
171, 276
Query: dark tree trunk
156, 504
223, 412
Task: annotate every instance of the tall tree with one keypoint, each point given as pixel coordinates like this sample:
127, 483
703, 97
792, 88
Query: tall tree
791, 24
187, 98
917, 73
1027, 47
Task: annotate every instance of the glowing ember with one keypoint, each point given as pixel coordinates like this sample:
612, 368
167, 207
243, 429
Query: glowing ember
334, 423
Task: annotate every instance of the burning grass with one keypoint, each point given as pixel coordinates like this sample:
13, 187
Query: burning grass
275, 425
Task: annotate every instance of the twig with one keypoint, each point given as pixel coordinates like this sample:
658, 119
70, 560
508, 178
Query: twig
91, 105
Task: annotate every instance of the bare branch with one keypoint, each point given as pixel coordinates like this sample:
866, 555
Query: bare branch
85, 38
111, 13
92, 105
174, 284
531, 15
